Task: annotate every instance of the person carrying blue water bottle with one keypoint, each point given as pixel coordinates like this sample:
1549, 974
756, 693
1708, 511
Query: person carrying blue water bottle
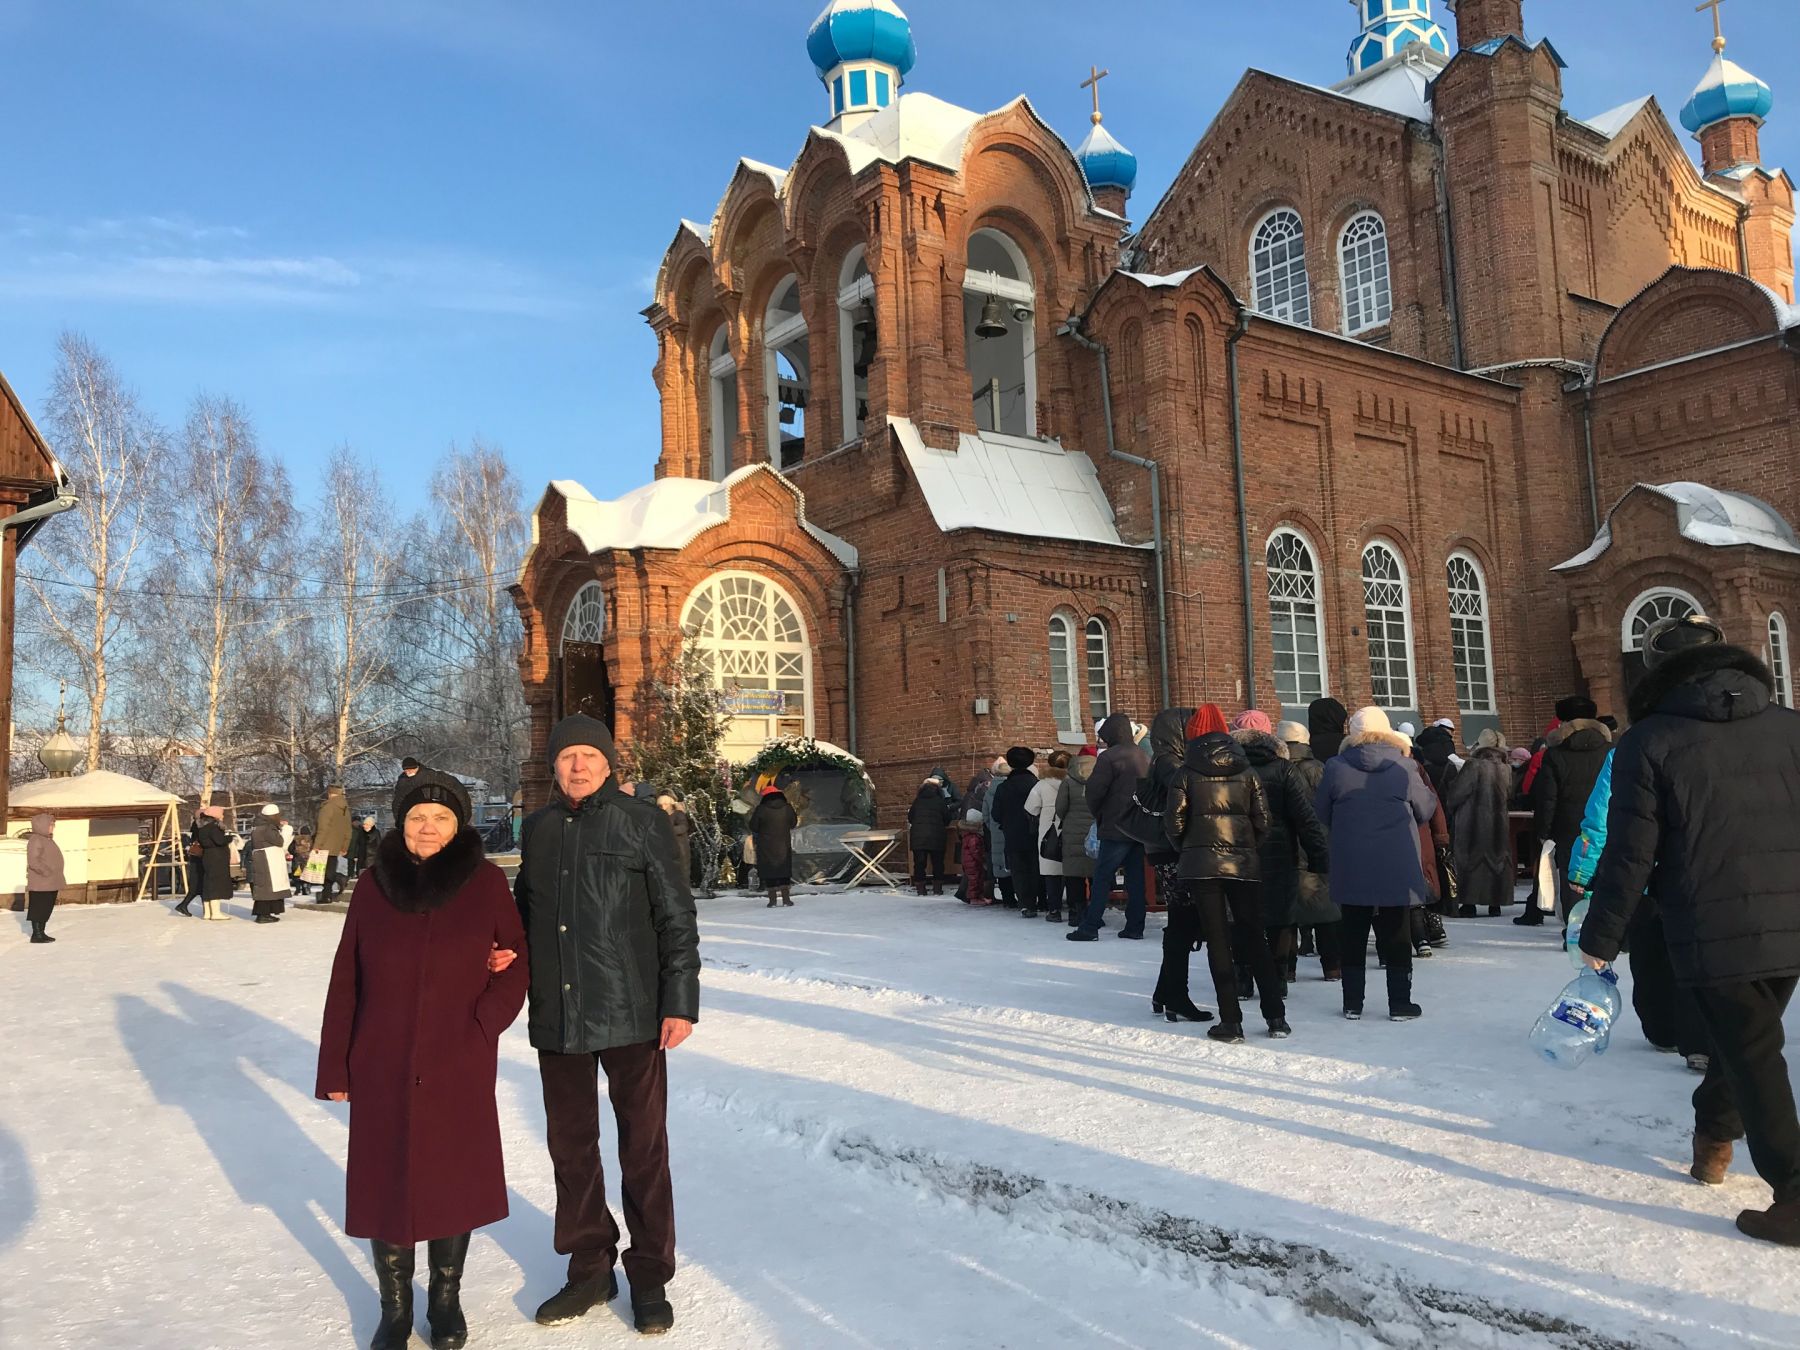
1704, 815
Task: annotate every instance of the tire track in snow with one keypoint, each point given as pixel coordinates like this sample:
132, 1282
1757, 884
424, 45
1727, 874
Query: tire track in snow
1374, 1299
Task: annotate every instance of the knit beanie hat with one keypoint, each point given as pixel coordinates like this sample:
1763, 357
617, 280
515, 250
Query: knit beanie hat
1368, 721
271, 810
1087, 752
580, 729
1252, 720
441, 789
1021, 757
1206, 719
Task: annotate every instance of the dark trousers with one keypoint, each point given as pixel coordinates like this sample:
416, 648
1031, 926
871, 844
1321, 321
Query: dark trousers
1667, 1012
1228, 915
1392, 939
1118, 855
637, 1082
330, 885
1075, 896
925, 858
38, 905
1328, 938
1052, 888
1022, 862
1746, 1092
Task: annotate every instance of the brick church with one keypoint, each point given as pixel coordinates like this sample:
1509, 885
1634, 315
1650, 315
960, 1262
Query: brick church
1414, 389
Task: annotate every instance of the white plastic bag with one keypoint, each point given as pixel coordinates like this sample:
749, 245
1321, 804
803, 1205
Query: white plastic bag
1546, 877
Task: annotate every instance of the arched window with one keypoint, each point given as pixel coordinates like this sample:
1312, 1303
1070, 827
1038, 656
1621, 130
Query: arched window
1000, 335
1650, 608
1387, 609
723, 382
1296, 623
1278, 267
752, 634
1062, 674
787, 375
856, 340
1470, 650
1099, 669
586, 619
1363, 264
1778, 659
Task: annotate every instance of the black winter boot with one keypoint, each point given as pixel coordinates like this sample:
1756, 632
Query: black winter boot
787, 897
443, 1304
393, 1278
651, 1312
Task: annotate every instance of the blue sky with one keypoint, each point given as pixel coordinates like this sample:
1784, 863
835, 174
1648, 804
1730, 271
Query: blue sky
398, 223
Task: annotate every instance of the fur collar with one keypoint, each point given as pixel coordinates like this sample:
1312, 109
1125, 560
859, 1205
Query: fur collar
1580, 724
1263, 741
1397, 739
1689, 667
1491, 754
415, 887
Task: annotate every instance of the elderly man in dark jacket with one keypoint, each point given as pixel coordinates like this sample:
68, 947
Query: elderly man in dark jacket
615, 982
1704, 786
1109, 792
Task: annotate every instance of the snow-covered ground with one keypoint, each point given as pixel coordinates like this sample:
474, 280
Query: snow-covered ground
901, 1123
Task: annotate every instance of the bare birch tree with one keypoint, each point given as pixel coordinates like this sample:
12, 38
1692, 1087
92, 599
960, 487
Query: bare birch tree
114, 453
356, 553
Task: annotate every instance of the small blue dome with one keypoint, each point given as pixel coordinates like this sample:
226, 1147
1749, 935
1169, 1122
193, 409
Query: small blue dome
1727, 91
861, 30
1105, 161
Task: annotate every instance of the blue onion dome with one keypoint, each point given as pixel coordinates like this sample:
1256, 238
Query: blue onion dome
1728, 90
1390, 26
861, 30
1105, 161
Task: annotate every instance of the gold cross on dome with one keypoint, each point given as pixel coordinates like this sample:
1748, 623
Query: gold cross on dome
1095, 75
1718, 28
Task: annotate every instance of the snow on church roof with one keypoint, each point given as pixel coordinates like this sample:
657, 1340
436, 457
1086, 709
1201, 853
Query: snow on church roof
1707, 516
669, 513
913, 126
1399, 84
1011, 485
1610, 123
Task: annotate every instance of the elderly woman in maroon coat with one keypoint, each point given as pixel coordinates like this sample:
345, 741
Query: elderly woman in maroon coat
412, 1026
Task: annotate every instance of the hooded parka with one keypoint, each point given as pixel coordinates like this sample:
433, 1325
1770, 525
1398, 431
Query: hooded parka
1372, 800
1217, 812
1115, 777
411, 1031
1573, 759
614, 944
1072, 810
1293, 826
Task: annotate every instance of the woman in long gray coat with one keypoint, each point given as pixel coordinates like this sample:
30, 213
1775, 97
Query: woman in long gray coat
1476, 801
997, 836
1075, 819
269, 889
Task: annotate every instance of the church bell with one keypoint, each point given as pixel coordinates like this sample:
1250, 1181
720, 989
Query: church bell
993, 319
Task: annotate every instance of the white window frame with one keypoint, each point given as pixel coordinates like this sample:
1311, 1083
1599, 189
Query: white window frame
778, 334
1265, 272
721, 366
1292, 602
585, 618
1404, 608
1630, 642
1365, 269
719, 649
1061, 635
850, 295
1481, 618
1016, 291
1780, 659
1099, 684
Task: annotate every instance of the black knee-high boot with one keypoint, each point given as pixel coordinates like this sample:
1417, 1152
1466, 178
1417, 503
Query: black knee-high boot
443, 1305
393, 1279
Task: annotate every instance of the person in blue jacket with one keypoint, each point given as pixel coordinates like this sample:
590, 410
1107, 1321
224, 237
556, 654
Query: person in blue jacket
1668, 1014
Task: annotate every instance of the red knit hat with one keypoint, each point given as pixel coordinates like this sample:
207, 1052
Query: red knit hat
1086, 752
1207, 718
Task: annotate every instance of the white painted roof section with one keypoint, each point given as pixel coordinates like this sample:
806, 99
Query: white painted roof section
1156, 281
1610, 123
1397, 85
96, 790
1011, 485
1707, 516
913, 126
669, 513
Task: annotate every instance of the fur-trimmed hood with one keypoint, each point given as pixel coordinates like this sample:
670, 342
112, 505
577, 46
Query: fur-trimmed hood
415, 887
1260, 747
1715, 683
1581, 734
1399, 740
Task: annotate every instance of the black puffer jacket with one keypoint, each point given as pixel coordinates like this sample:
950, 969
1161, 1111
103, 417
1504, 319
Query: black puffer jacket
1703, 813
1559, 794
1218, 815
1115, 776
928, 820
1292, 824
610, 922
